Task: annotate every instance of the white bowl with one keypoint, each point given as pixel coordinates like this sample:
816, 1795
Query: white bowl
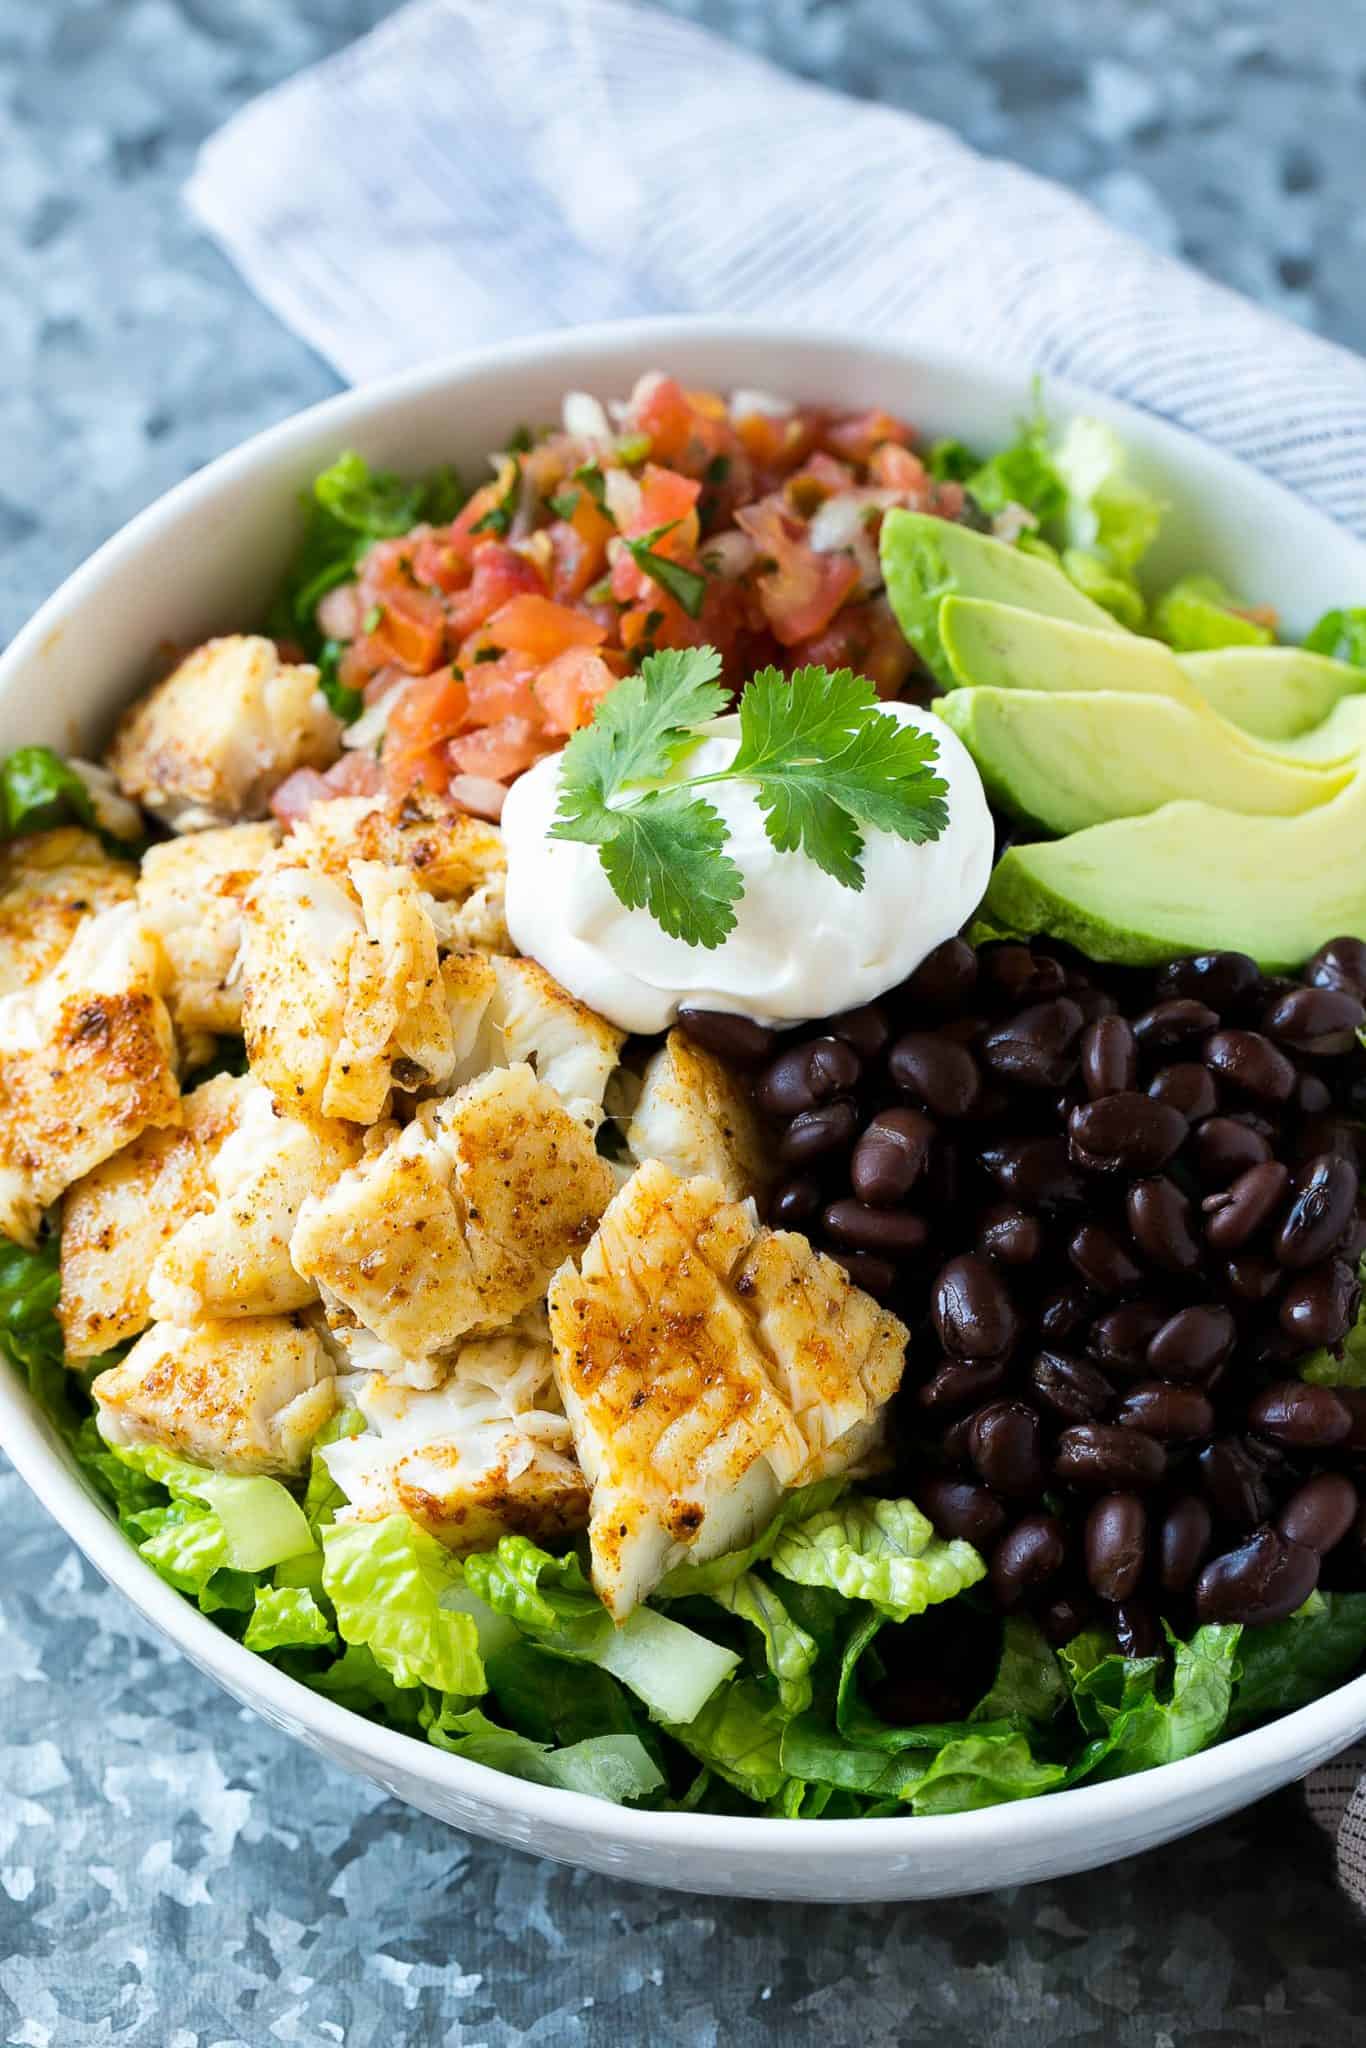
203, 560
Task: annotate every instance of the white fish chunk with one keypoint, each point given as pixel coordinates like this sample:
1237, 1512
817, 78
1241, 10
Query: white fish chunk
458, 1223
529, 1018
119, 1218
458, 860
233, 1259
707, 1364
50, 883
694, 1116
486, 1454
243, 1397
87, 1063
191, 892
209, 744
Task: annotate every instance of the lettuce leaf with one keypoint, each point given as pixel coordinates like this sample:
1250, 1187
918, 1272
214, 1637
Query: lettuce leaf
671, 1668
686, 1579
554, 1701
38, 790
216, 1532
1137, 1727
613, 1767
385, 1580
1198, 614
287, 1618
984, 1769
1106, 586
1106, 513
1289, 1663
1341, 635
1029, 1685
789, 1651
1326, 1369
739, 1735
1024, 473
882, 1551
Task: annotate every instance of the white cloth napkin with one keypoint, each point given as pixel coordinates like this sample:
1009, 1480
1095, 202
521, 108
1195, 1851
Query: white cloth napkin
479, 169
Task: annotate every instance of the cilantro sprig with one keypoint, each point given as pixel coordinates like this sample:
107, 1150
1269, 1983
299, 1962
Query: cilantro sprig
826, 761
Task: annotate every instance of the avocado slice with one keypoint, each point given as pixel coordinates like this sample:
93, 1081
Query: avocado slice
925, 559
1194, 878
1278, 693
996, 646
1065, 760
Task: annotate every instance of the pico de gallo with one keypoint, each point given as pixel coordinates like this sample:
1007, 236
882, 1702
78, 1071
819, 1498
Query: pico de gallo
464, 641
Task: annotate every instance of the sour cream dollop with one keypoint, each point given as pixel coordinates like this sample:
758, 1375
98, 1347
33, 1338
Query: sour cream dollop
803, 945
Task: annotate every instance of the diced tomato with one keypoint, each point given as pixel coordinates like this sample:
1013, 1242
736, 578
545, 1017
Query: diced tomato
856, 435
502, 688
412, 627
866, 638
896, 469
778, 443
687, 429
339, 613
500, 572
357, 773
424, 714
442, 563
541, 629
579, 549
820, 477
569, 689
498, 751
666, 500
803, 591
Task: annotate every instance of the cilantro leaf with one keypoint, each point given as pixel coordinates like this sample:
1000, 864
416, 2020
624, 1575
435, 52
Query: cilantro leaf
687, 586
666, 855
827, 760
641, 729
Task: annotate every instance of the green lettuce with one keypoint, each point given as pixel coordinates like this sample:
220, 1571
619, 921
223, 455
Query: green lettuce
385, 1580
1106, 514
1199, 614
789, 1652
553, 1700
213, 1523
739, 1735
1138, 1717
614, 1767
38, 790
1342, 635
1289, 1663
1029, 1686
287, 1618
1025, 474
686, 1579
1326, 1369
1106, 586
30, 1285
882, 1551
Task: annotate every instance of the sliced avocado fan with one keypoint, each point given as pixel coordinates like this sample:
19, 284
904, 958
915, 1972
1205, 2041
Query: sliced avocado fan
1066, 760
1278, 693
1192, 877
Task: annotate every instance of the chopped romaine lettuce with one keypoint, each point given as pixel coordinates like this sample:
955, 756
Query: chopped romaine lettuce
1291, 1662
1024, 474
1341, 634
616, 1767
739, 1735
287, 1618
1198, 614
385, 1579
1111, 588
1105, 512
983, 1769
789, 1651
38, 789
882, 1551
1121, 1701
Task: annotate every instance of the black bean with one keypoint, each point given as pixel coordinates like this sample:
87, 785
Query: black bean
1128, 1133
1322, 1021
1236, 1213
736, 1039
1248, 1062
1225, 1148
1015, 975
1252, 1280
1264, 1580
1108, 1458
1064, 1310
972, 1308
1171, 1414
1072, 1388
1101, 1261
890, 1156
1036, 1048
874, 1275
1172, 1022
960, 1507
1187, 1086
1319, 1306
1115, 1542
1221, 979
890, 1232
1307, 1418
813, 1132
1137, 1630
1320, 1512
1029, 1555
1312, 1096
1182, 1542
933, 1070
945, 978
1320, 1214
1003, 1444
1120, 1338
1335, 1134
1109, 1058
1063, 1618
962, 1383
1161, 1219
1339, 964
866, 1029
1036, 1171
1093, 1003
1193, 1343
806, 1075
1010, 1235
1237, 1476
794, 1202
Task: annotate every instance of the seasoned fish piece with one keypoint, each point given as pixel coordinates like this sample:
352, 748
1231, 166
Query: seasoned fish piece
241, 1397
209, 744
50, 883
530, 1018
458, 1223
486, 1454
233, 1259
694, 1116
191, 892
451, 854
86, 1065
342, 996
119, 1218
705, 1365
